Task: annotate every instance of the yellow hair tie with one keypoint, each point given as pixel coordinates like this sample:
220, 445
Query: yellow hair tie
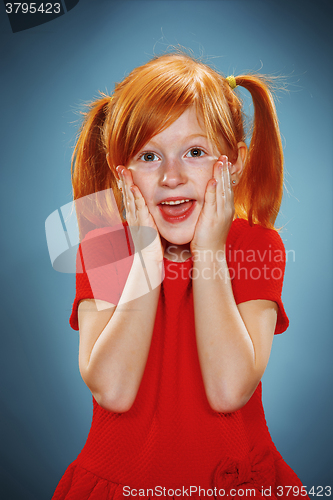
232, 81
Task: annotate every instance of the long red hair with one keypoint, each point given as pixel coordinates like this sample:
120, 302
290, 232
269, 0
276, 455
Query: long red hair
150, 99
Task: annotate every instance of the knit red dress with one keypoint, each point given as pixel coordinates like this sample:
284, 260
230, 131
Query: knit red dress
171, 443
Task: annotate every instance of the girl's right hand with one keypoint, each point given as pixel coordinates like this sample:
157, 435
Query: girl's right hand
139, 219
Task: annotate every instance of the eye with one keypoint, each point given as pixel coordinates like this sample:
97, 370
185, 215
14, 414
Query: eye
148, 156
195, 152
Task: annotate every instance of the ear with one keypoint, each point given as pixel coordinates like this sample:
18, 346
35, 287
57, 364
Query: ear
237, 167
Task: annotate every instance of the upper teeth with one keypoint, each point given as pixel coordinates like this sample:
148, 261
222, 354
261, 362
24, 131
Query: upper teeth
176, 202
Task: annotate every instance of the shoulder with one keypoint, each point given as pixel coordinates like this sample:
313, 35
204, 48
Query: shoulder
244, 236
107, 231
256, 259
111, 240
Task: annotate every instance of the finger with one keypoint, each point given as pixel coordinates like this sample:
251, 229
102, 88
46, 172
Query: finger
125, 194
128, 200
143, 216
226, 183
139, 201
128, 182
220, 197
229, 196
221, 191
218, 164
209, 207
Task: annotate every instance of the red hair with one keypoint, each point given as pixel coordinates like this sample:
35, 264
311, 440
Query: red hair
151, 98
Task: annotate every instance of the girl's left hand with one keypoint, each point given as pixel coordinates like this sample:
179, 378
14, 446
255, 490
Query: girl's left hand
218, 210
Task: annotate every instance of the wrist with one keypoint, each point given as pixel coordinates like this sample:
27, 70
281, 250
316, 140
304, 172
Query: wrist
152, 256
206, 255
210, 267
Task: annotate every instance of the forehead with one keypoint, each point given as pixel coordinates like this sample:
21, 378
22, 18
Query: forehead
186, 128
188, 123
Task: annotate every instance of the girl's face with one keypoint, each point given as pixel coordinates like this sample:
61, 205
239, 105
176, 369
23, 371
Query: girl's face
172, 171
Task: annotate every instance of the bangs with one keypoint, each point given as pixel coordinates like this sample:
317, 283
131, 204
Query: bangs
155, 95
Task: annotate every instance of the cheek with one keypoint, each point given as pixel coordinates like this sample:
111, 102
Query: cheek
202, 180
146, 183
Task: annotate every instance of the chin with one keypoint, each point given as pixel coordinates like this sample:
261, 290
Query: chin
183, 238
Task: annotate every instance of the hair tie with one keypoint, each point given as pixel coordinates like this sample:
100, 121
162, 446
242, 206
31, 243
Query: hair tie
232, 81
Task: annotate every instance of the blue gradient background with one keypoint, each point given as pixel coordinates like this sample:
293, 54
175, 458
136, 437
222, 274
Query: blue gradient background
47, 73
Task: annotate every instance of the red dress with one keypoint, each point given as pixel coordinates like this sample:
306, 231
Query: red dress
171, 438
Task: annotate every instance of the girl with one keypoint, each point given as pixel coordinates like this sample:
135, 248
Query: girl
178, 298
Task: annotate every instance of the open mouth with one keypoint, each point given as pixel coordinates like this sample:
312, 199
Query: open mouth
176, 210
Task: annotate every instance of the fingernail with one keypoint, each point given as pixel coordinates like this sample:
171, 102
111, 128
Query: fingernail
214, 182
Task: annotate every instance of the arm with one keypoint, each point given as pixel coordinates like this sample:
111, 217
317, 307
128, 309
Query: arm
234, 342
115, 340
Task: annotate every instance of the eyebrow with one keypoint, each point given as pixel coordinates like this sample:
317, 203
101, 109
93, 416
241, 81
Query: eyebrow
196, 135
187, 138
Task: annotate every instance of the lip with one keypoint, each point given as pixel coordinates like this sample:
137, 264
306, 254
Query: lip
180, 218
176, 198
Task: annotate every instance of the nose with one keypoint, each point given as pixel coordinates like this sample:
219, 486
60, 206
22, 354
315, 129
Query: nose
173, 173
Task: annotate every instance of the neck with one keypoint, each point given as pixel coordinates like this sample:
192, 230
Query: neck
176, 253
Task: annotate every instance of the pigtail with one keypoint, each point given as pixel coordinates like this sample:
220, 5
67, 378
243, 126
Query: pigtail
92, 178
259, 193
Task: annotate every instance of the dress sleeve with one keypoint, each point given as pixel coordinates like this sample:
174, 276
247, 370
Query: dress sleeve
103, 261
256, 266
